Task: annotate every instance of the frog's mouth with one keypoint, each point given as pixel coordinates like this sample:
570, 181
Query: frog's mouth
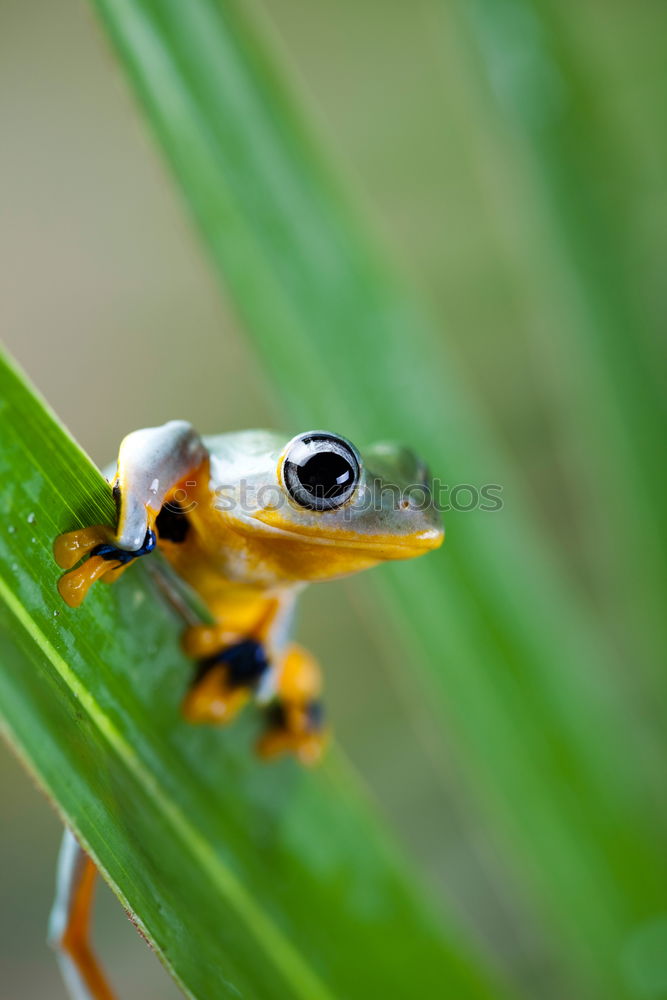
380, 546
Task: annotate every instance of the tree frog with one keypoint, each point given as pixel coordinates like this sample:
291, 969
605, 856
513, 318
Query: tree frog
247, 519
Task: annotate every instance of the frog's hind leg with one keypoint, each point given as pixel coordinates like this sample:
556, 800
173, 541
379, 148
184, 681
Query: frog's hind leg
295, 718
225, 680
235, 657
69, 923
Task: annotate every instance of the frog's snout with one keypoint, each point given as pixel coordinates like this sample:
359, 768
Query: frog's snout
431, 538
426, 532
404, 500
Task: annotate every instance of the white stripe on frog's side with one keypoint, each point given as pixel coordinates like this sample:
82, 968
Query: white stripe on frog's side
150, 462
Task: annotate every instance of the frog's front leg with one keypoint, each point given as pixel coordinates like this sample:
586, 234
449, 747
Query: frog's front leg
295, 718
236, 654
225, 681
151, 463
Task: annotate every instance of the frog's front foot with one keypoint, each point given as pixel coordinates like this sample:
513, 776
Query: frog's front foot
225, 681
104, 560
295, 720
296, 729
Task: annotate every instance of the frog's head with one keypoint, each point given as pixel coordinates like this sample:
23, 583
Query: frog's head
317, 508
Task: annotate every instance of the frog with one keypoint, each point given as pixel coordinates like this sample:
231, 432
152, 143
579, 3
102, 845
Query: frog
247, 519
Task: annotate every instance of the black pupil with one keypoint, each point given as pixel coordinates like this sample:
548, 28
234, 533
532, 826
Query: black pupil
325, 474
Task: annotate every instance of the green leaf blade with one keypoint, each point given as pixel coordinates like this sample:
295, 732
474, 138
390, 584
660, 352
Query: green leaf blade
248, 880
504, 644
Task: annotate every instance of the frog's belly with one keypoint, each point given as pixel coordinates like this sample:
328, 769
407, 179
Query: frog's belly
238, 596
212, 553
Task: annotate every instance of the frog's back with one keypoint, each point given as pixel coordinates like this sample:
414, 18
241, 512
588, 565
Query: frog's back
240, 453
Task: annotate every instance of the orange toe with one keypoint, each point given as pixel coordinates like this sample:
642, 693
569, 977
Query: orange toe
74, 586
74, 545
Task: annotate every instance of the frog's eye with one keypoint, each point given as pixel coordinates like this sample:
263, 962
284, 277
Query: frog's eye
320, 471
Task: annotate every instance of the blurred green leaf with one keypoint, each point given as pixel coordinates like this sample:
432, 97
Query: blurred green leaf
541, 88
248, 879
503, 644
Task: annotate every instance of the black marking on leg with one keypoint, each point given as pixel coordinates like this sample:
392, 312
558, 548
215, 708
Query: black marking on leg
315, 713
276, 716
246, 663
172, 523
123, 556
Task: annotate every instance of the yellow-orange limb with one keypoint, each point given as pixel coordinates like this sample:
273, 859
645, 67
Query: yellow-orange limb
74, 586
201, 641
306, 747
70, 928
299, 685
76, 938
69, 548
299, 678
213, 699
240, 616
72, 546
113, 574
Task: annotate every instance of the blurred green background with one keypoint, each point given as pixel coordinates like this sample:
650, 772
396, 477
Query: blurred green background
513, 156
